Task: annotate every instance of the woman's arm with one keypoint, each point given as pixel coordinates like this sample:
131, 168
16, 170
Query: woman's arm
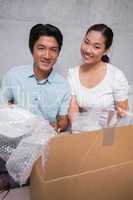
74, 108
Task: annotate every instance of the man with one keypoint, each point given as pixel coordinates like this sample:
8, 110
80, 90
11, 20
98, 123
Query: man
37, 87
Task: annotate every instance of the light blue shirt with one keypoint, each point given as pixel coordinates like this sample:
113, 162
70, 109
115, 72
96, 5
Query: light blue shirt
48, 98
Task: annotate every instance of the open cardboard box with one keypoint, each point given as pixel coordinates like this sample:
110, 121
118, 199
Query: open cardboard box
96, 165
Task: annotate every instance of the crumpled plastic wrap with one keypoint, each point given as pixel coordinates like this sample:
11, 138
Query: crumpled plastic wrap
98, 118
91, 119
126, 120
23, 138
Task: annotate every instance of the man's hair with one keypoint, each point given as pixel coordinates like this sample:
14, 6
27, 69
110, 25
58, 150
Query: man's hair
44, 30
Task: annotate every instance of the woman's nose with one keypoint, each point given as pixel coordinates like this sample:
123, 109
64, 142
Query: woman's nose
88, 49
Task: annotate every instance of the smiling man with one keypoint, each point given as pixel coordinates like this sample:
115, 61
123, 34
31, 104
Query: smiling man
37, 87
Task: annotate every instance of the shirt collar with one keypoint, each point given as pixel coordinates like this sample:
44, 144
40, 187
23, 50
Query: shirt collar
50, 78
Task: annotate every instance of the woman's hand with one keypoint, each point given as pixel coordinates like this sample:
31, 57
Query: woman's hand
122, 107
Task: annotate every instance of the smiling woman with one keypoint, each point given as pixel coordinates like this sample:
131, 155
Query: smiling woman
96, 83
93, 47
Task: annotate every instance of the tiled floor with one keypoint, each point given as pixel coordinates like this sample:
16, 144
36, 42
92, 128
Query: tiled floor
18, 194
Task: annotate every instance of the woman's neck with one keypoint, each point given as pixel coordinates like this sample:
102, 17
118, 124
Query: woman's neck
91, 76
93, 67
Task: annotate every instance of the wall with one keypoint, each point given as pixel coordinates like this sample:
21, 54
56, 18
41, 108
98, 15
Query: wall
73, 17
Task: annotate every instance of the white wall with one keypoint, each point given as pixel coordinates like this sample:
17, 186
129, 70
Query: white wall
73, 17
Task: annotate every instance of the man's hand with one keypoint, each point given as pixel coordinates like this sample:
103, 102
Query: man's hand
62, 123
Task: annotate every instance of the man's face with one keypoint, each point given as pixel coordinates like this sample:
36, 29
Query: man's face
45, 53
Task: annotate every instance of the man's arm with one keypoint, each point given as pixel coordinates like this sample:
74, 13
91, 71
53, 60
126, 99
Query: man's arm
6, 95
62, 119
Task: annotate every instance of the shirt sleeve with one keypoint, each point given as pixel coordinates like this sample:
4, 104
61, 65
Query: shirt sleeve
65, 103
71, 81
121, 86
6, 94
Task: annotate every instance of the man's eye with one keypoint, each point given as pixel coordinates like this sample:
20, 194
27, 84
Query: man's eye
40, 48
97, 47
54, 50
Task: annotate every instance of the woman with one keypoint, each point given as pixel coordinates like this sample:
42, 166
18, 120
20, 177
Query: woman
96, 83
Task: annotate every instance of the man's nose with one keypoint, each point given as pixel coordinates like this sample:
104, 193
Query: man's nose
47, 54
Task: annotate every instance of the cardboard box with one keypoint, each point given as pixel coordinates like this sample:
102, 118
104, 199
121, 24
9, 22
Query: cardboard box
95, 165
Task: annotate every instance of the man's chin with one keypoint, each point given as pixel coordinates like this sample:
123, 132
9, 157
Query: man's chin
45, 67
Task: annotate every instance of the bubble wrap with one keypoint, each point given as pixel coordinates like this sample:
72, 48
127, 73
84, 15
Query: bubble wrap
23, 141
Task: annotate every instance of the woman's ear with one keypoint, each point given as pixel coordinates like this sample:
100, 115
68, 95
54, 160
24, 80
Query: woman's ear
106, 52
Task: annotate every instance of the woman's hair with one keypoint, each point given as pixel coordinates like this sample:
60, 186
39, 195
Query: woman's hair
44, 30
108, 35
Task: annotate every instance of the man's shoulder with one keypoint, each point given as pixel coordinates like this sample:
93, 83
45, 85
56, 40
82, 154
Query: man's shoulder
18, 69
59, 79
18, 72
60, 83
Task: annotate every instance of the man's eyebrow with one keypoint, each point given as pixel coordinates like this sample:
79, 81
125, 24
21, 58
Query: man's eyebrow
54, 47
45, 45
96, 43
40, 45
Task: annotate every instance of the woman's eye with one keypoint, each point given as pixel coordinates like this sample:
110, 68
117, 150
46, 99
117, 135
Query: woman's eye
86, 42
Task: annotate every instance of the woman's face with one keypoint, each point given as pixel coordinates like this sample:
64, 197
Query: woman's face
93, 47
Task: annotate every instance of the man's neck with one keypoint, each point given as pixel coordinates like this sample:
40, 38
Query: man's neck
39, 74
